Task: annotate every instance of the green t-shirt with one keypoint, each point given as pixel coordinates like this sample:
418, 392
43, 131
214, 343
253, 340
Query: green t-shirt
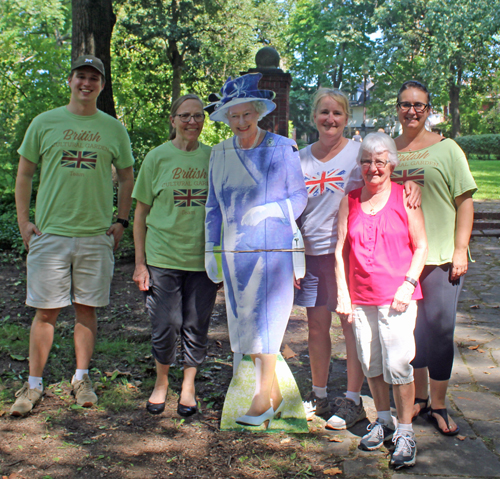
175, 184
75, 196
443, 173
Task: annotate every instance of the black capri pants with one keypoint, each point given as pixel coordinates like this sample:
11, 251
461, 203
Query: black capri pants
179, 303
436, 319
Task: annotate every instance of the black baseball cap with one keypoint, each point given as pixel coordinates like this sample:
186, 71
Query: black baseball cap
89, 61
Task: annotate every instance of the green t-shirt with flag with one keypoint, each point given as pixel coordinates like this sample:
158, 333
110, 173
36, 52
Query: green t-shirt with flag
75, 153
443, 173
175, 184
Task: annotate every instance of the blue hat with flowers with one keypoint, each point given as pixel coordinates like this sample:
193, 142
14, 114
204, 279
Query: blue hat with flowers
240, 90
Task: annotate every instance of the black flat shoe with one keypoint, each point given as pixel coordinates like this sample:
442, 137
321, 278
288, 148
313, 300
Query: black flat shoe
155, 408
186, 411
424, 407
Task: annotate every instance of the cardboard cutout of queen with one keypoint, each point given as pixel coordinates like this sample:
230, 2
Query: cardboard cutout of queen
255, 186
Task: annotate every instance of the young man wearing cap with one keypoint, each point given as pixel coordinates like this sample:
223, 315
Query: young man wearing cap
70, 245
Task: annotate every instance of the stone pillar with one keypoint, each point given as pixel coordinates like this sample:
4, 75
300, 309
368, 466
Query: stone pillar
273, 78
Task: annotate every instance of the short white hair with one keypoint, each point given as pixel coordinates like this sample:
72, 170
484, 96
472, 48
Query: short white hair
259, 106
378, 143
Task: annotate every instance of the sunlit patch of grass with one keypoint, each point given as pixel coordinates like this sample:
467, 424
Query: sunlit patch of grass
486, 174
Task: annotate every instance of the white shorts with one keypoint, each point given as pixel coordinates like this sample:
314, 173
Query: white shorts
385, 341
62, 270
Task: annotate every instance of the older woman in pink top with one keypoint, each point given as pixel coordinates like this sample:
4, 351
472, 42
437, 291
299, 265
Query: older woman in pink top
386, 247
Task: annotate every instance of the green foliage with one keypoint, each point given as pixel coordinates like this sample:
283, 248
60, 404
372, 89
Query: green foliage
10, 238
34, 64
214, 132
330, 41
452, 46
480, 145
329, 45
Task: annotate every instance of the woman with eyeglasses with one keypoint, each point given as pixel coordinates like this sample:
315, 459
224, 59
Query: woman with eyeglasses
169, 236
378, 289
440, 167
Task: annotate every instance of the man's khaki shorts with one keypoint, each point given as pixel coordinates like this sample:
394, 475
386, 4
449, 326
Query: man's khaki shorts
62, 270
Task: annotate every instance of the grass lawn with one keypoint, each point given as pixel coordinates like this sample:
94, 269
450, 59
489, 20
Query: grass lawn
487, 176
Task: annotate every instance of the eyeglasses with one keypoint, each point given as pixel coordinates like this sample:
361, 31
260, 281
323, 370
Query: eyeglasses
418, 107
365, 164
186, 117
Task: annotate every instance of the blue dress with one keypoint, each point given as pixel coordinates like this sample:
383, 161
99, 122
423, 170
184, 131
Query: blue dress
258, 285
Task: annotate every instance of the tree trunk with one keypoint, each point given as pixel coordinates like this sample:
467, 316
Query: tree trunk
454, 93
93, 22
175, 57
177, 63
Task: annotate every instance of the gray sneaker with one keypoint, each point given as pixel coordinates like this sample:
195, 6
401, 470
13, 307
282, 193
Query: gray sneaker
84, 392
26, 400
405, 453
315, 405
336, 404
346, 415
377, 435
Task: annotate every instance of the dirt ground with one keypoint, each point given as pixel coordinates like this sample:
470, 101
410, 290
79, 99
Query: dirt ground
122, 440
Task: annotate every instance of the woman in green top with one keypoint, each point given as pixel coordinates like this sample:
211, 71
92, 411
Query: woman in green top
439, 166
171, 192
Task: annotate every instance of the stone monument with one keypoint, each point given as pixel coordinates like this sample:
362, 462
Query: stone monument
267, 62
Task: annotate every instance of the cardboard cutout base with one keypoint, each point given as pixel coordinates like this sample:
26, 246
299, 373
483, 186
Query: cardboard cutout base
240, 393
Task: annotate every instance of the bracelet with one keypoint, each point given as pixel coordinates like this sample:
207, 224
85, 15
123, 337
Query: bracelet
411, 281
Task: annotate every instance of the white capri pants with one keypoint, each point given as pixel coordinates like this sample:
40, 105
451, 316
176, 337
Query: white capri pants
385, 341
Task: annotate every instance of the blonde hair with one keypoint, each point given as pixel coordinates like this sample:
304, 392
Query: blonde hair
337, 95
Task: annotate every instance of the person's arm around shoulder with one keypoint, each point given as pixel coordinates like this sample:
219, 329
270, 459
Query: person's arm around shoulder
344, 306
125, 187
465, 220
418, 236
24, 180
141, 272
413, 194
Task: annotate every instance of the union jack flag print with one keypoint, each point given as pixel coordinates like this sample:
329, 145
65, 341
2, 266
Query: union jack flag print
331, 181
412, 174
85, 160
190, 197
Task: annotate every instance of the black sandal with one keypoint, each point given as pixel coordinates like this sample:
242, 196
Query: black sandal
444, 414
423, 409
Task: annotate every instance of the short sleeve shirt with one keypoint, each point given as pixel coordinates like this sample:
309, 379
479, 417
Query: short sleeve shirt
442, 171
326, 183
175, 183
75, 154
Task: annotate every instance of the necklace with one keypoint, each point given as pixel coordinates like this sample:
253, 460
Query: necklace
257, 136
374, 210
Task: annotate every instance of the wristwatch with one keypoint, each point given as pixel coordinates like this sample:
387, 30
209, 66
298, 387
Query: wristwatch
123, 222
411, 281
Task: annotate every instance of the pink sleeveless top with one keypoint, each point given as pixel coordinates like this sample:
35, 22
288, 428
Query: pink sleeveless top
380, 250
